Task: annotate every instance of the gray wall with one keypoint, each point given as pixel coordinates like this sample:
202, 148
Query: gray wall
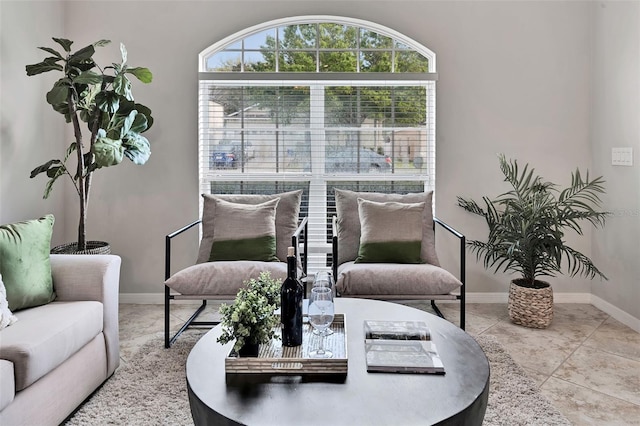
30, 132
515, 77
615, 122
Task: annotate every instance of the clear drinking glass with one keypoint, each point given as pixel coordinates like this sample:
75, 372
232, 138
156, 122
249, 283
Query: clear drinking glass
321, 313
324, 279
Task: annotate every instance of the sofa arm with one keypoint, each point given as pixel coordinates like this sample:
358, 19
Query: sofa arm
92, 277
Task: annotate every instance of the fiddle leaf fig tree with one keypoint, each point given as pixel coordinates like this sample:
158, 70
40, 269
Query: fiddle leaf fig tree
107, 122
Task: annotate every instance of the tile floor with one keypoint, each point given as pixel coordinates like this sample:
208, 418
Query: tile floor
586, 362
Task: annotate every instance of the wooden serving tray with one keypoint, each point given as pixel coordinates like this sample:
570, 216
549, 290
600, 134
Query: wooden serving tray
274, 359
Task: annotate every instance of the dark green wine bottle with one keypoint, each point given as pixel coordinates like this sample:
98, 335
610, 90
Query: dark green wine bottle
291, 296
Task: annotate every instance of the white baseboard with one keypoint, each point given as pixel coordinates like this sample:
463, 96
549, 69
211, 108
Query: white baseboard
142, 298
571, 297
617, 313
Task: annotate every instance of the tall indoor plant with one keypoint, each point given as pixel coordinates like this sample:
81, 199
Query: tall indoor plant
527, 228
99, 104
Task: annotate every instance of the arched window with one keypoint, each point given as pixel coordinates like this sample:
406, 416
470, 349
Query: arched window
317, 103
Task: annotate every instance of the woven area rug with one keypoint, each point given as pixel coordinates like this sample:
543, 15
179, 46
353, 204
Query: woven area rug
151, 390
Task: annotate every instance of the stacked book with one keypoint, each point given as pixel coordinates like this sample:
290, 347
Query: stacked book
400, 347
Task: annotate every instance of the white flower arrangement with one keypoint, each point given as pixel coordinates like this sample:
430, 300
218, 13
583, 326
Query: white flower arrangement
251, 318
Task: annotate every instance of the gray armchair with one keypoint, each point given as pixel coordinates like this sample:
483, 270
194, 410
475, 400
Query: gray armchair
242, 236
384, 248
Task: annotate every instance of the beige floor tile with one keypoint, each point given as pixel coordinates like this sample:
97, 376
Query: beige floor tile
536, 376
539, 350
578, 312
474, 324
603, 372
450, 311
479, 324
583, 406
493, 311
576, 321
615, 337
544, 350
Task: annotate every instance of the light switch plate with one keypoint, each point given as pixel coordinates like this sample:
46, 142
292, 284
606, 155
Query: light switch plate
622, 156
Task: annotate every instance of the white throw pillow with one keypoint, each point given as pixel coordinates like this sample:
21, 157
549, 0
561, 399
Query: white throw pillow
6, 316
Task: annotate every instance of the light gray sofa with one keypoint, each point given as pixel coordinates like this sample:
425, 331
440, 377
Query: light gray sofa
57, 354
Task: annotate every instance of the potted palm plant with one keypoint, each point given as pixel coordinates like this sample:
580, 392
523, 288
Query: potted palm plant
527, 228
107, 123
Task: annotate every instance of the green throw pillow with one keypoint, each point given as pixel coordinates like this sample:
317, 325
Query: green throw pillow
391, 232
24, 262
287, 214
244, 231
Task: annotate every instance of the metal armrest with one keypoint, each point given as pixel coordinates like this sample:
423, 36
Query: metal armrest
447, 227
463, 243
334, 247
167, 241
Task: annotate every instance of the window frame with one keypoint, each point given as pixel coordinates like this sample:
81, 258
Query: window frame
318, 179
315, 19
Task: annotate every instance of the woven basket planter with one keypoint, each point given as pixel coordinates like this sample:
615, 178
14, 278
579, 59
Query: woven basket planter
530, 307
93, 247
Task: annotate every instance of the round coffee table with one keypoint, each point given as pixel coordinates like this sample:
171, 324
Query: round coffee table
458, 397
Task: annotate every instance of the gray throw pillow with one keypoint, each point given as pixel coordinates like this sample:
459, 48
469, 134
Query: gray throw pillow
391, 232
348, 221
287, 214
245, 231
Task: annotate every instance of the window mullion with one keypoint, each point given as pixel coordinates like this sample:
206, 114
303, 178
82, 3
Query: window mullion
317, 186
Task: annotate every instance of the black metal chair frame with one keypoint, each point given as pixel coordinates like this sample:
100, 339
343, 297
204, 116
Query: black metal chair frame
300, 236
461, 296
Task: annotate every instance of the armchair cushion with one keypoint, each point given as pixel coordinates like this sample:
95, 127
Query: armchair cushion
380, 279
245, 232
348, 222
286, 219
24, 262
390, 232
222, 279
